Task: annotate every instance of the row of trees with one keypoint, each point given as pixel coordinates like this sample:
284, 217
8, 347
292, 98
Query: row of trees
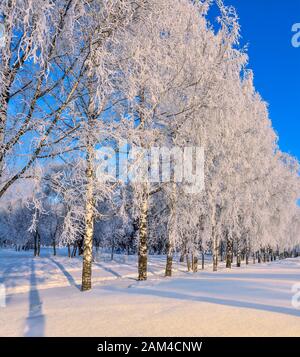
81, 75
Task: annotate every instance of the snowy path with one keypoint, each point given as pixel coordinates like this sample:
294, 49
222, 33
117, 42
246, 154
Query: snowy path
43, 299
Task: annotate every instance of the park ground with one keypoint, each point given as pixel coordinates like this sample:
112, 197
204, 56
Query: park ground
42, 297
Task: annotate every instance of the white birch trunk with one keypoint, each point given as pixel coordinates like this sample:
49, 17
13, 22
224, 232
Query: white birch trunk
143, 239
89, 223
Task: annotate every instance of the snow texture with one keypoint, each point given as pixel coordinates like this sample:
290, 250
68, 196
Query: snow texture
43, 298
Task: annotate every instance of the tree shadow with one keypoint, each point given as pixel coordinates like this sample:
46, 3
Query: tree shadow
213, 300
244, 275
35, 322
69, 277
12, 276
108, 270
7, 282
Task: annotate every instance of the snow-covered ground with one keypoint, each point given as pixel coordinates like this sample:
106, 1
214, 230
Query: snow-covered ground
43, 298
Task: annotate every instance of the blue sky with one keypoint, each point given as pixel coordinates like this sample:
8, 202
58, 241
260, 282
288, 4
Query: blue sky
267, 29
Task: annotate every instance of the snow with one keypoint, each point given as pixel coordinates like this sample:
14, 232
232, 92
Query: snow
43, 298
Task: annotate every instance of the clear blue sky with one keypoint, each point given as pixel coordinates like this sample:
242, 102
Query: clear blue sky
267, 29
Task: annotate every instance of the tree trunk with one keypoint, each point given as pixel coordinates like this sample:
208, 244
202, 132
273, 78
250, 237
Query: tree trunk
80, 244
215, 251
192, 261
183, 253
4, 99
128, 249
38, 244
228, 253
221, 251
259, 257
89, 224
169, 259
195, 264
143, 242
74, 251
69, 251
112, 250
169, 265
35, 244
202, 256
54, 247
188, 262
238, 253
